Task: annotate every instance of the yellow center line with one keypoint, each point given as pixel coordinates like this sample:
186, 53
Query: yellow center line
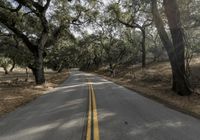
95, 117
92, 123
88, 135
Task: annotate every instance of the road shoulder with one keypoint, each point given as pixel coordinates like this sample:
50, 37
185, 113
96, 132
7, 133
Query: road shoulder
154, 95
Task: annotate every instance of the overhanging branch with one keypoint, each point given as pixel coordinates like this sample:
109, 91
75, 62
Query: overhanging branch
5, 20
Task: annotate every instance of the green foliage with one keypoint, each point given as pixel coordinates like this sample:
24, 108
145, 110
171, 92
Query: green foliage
16, 51
63, 54
4, 62
114, 9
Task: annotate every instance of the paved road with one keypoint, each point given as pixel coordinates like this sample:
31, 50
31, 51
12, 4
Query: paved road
122, 115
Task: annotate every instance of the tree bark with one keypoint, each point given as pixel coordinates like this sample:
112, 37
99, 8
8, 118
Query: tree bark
38, 69
173, 16
97, 61
39, 54
143, 48
60, 68
175, 49
27, 75
13, 66
5, 70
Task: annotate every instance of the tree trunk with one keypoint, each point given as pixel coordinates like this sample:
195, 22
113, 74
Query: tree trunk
143, 48
174, 50
27, 75
5, 70
13, 66
39, 54
97, 61
172, 12
61, 67
38, 68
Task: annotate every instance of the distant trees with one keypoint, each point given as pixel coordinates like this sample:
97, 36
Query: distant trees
90, 52
111, 44
135, 15
14, 50
63, 55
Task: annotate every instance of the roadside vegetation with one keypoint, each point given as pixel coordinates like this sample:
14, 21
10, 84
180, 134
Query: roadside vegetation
151, 45
155, 82
17, 90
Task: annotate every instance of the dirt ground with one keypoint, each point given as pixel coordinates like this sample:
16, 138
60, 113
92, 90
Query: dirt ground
16, 91
155, 82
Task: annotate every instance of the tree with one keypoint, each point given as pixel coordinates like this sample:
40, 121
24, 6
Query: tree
135, 15
109, 43
174, 48
64, 53
8, 19
28, 21
4, 63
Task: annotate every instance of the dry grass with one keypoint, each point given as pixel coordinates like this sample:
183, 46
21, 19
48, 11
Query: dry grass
155, 82
15, 91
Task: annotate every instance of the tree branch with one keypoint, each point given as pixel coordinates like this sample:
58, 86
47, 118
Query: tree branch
47, 5
4, 20
135, 25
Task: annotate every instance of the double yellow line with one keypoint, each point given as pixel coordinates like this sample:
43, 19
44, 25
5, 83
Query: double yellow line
92, 122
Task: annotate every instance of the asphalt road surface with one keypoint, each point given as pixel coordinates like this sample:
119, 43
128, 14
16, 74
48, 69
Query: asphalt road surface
87, 107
